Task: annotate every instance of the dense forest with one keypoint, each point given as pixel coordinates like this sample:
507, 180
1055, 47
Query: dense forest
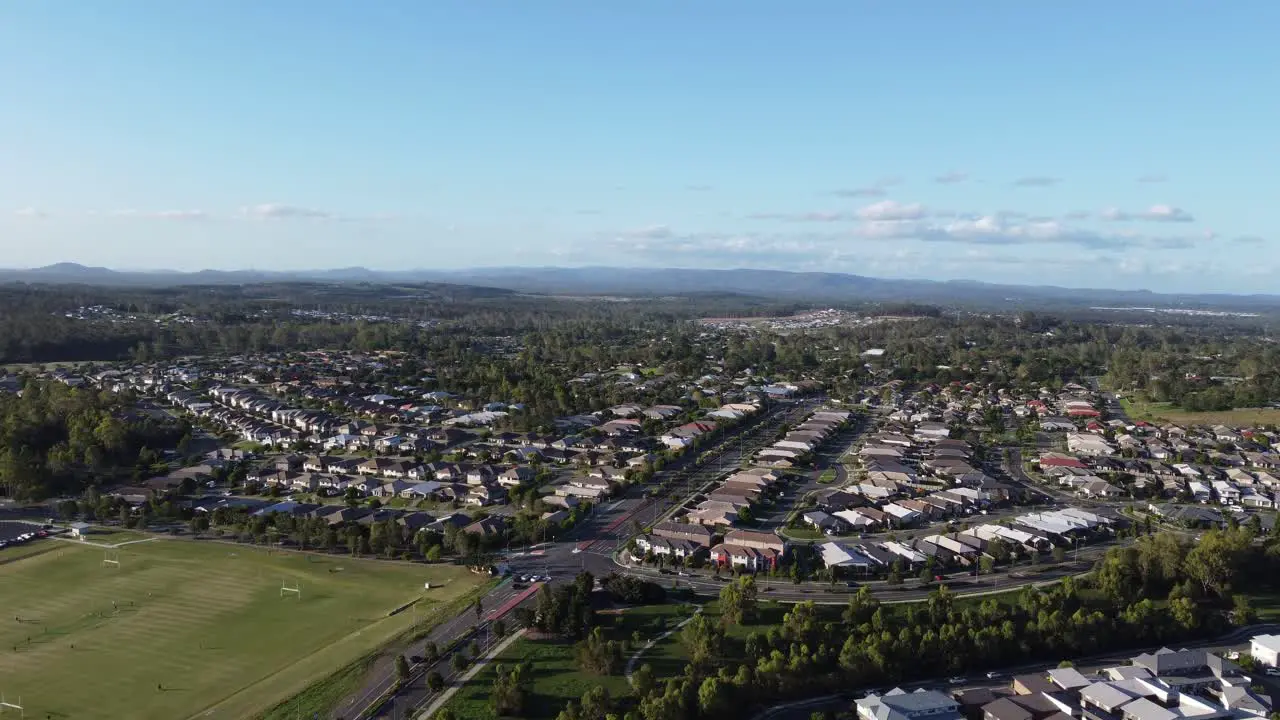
497, 345
55, 439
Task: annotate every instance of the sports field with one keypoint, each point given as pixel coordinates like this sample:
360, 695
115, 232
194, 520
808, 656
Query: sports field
183, 629
1240, 417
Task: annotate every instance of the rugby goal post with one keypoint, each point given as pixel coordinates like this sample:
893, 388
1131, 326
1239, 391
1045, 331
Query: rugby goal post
6, 706
111, 558
287, 590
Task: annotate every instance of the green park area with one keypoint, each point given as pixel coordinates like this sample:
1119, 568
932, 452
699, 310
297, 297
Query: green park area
181, 629
557, 678
1138, 409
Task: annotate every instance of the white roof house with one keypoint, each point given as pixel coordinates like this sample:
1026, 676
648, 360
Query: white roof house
1265, 649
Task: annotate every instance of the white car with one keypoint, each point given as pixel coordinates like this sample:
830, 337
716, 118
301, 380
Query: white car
1273, 672
577, 550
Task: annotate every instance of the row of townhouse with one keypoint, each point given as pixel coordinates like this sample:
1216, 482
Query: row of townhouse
245, 424
746, 549
739, 490
804, 439
1035, 532
413, 521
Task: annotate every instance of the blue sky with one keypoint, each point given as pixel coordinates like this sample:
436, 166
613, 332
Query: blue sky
1121, 144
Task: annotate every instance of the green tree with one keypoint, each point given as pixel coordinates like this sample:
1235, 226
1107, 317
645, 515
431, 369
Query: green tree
738, 601
642, 680
713, 698
703, 639
1242, 612
402, 668
435, 681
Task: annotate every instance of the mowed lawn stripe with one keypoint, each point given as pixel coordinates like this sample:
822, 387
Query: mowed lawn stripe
205, 622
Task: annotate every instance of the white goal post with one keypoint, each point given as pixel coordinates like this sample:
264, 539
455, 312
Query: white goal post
111, 558
286, 589
5, 706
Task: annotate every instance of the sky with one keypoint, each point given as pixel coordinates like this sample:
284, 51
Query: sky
1129, 144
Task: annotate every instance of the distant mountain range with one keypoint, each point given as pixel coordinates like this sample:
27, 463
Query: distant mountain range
773, 284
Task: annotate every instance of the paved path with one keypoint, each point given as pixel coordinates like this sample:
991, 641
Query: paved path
635, 657
479, 665
106, 546
381, 678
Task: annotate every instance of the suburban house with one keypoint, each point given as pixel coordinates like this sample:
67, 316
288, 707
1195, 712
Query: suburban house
898, 704
1265, 650
699, 534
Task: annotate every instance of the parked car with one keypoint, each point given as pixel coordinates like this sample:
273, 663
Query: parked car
994, 674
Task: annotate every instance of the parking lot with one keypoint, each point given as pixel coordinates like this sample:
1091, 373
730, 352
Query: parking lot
12, 531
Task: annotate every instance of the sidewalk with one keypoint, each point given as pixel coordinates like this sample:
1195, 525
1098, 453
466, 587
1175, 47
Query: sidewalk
635, 657
475, 668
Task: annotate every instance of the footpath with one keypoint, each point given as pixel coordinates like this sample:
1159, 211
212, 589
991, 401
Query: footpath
475, 669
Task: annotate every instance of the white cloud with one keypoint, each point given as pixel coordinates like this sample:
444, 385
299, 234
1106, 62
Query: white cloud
1155, 213
890, 210
1153, 178
30, 212
163, 214
278, 211
1003, 229
951, 178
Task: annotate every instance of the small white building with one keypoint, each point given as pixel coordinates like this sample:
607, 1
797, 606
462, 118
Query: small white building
1265, 650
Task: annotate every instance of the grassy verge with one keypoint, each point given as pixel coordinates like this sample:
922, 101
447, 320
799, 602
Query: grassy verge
827, 477
323, 695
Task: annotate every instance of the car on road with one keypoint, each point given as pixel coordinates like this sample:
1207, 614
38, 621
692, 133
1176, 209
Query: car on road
1273, 672
957, 680
577, 550
994, 674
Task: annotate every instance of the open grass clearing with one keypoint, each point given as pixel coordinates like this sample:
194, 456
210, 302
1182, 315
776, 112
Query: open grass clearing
1240, 417
554, 670
183, 629
1267, 605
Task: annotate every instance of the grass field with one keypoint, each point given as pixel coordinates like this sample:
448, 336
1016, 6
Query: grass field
205, 622
1240, 417
555, 674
